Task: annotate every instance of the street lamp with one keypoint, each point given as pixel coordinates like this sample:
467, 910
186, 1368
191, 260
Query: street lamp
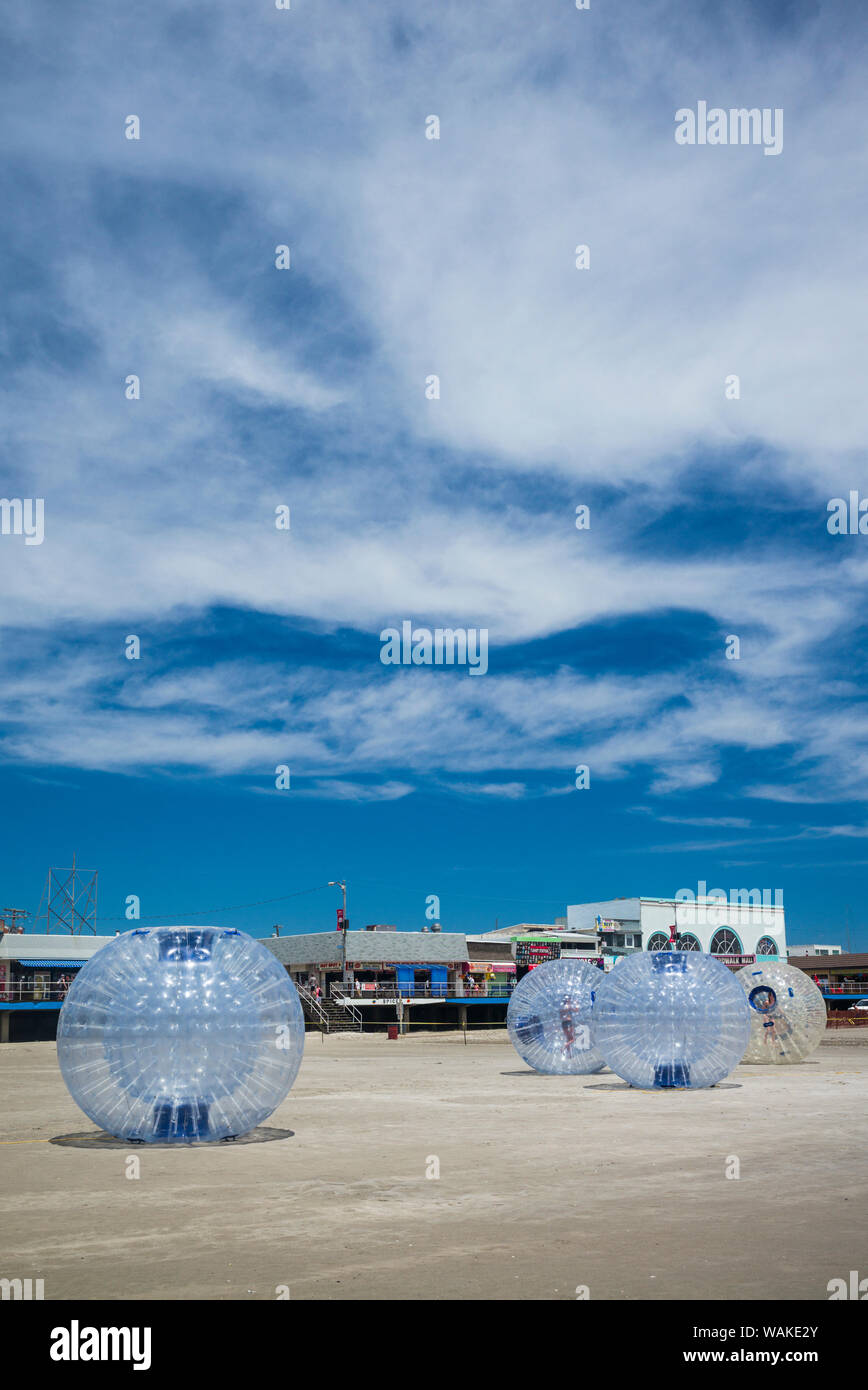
341, 883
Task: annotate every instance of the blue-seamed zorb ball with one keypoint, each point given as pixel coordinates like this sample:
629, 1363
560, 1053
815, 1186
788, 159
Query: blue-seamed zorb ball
671, 1018
177, 1035
550, 1017
787, 1011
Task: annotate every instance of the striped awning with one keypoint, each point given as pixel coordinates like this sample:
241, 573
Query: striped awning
43, 963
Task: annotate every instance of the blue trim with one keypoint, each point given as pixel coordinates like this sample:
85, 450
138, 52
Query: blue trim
472, 999
11, 1007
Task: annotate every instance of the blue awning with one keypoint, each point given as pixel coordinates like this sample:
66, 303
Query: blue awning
65, 963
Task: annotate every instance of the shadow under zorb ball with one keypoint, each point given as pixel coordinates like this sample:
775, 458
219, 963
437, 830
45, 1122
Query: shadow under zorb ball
787, 1013
671, 1019
549, 1018
180, 1035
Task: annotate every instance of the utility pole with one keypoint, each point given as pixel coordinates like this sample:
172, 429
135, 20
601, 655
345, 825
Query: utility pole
12, 914
342, 884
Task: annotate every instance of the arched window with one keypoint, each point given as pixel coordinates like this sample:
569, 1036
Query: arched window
725, 943
766, 947
688, 942
658, 942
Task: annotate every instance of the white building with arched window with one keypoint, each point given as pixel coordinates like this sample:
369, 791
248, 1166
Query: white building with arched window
740, 925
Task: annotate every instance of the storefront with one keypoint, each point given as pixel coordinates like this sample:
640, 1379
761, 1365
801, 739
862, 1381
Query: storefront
737, 962
41, 981
493, 979
36, 972
423, 980
380, 964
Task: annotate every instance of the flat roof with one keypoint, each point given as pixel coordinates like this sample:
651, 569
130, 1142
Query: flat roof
535, 934
857, 961
401, 947
677, 902
41, 946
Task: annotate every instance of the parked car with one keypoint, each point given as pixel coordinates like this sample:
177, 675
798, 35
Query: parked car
860, 1007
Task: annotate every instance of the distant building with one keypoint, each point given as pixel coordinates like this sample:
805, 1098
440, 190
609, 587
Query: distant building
420, 964
531, 943
738, 930
422, 978
36, 970
814, 951
519, 929
555, 931
843, 978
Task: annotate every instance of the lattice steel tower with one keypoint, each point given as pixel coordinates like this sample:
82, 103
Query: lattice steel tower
70, 900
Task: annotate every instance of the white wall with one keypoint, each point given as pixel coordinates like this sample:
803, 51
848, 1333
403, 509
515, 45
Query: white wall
748, 922
581, 916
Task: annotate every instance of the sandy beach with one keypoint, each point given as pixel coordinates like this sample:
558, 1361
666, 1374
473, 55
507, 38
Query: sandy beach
547, 1185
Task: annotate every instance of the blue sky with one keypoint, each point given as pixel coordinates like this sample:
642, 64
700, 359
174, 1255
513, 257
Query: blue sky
559, 387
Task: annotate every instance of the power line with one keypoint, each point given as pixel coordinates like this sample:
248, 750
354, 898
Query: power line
304, 892
470, 897
204, 911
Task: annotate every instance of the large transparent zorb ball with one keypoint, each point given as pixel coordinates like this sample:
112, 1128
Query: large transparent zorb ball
671, 1018
549, 1018
180, 1034
787, 1013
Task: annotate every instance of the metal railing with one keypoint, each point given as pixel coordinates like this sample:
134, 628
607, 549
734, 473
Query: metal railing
309, 999
32, 992
344, 995
389, 990
320, 1013
482, 991
341, 995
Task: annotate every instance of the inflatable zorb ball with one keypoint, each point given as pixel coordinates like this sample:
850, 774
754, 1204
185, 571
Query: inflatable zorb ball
787, 1013
549, 1018
180, 1034
671, 1018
